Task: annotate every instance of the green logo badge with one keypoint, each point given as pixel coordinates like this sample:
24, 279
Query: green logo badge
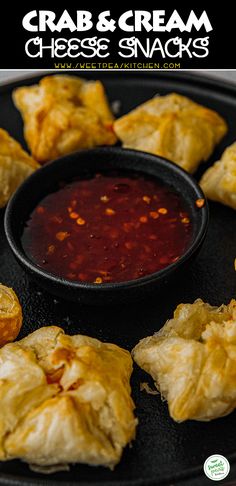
216, 467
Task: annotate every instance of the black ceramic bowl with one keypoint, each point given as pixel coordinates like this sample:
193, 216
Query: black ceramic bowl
46, 180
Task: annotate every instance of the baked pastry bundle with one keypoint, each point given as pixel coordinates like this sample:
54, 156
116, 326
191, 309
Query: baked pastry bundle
173, 127
65, 399
15, 166
192, 360
219, 181
63, 114
10, 315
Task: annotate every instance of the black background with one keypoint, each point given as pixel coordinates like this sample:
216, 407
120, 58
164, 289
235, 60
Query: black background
221, 56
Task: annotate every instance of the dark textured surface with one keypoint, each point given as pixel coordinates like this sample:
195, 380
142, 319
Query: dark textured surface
164, 451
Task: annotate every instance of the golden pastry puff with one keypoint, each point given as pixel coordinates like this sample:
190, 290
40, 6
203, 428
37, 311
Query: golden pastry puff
65, 399
63, 114
192, 360
173, 127
10, 315
219, 181
15, 166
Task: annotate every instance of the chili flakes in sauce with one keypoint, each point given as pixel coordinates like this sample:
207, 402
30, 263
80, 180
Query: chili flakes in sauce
109, 228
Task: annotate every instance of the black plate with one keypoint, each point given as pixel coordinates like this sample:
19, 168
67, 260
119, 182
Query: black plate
164, 452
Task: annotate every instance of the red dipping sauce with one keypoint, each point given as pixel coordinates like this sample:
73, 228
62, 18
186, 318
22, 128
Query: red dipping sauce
109, 228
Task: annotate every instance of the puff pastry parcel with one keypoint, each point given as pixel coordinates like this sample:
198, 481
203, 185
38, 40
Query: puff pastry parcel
219, 181
10, 315
62, 114
193, 361
64, 399
15, 166
173, 127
